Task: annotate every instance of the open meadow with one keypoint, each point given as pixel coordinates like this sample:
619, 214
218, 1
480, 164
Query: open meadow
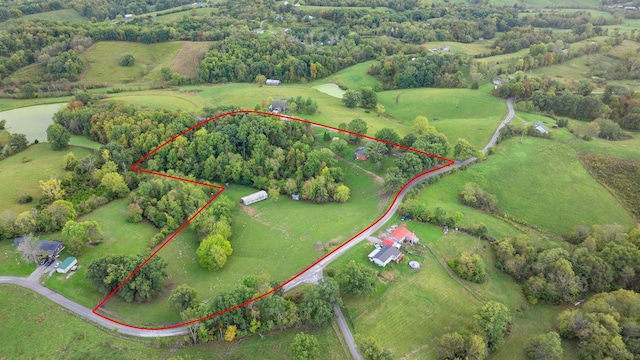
103, 58
353, 77
458, 113
538, 181
20, 178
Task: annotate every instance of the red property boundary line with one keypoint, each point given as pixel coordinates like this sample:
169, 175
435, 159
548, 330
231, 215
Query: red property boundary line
220, 189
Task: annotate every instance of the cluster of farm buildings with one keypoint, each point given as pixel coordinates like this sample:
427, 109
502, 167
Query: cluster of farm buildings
49, 251
389, 249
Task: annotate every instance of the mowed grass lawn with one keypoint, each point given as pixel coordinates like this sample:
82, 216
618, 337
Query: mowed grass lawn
279, 239
458, 113
419, 307
103, 62
11, 263
537, 181
120, 238
18, 178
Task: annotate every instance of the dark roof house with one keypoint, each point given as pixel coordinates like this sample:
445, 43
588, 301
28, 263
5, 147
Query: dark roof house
49, 248
360, 155
385, 255
278, 106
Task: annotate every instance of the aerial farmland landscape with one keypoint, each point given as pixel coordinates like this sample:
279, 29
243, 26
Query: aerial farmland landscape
320, 179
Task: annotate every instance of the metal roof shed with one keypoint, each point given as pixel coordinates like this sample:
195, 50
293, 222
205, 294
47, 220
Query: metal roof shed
66, 265
255, 197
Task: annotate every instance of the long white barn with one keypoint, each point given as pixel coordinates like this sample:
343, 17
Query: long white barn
255, 197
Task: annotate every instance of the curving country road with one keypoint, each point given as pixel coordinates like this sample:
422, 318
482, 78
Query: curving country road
310, 275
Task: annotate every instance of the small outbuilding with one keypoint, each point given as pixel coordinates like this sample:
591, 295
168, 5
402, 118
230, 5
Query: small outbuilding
273, 82
541, 128
278, 106
66, 265
360, 155
402, 234
255, 197
414, 265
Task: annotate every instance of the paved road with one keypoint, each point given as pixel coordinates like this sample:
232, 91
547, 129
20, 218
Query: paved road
311, 275
346, 333
85, 312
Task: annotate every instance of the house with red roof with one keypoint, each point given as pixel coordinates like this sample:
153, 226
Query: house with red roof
402, 234
391, 242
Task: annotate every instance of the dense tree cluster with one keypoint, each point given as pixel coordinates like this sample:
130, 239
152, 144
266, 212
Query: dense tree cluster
427, 70
275, 311
469, 267
606, 327
474, 196
105, 274
357, 280
606, 258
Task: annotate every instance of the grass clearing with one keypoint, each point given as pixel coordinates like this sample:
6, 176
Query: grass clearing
161, 99
103, 58
120, 238
9, 104
537, 181
354, 77
474, 48
11, 263
458, 113
169, 18
187, 61
18, 178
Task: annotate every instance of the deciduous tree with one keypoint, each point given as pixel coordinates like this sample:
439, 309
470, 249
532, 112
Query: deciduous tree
493, 318
545, 347
351, 98
304, 347
357, 280
58, 136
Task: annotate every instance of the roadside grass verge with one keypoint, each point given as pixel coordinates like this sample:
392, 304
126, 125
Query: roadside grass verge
18, 178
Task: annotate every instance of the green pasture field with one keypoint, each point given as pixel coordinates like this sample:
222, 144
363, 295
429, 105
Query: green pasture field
279, 239
10, 262
18, 178
161, 99
83, 141
28, 323
574, 69
458, 113
354, 77
102, 62
538, 181
28, 317
624, 47
433, 303
331, 111
64, 15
